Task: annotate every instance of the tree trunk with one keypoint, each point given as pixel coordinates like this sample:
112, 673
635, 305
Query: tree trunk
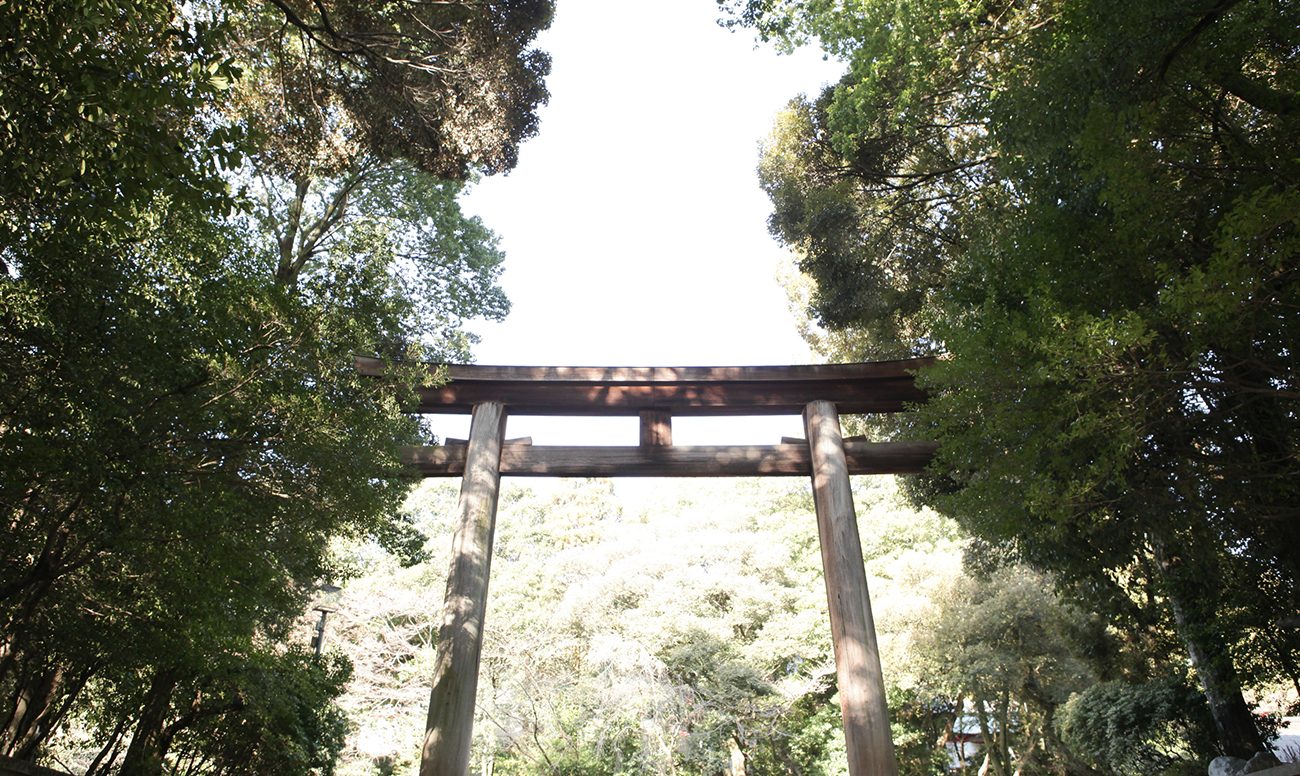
1027, 757
31, 708
110, 749
1238, 735
57, 694
145, 755
737, 758
1053, 743
992, 745
1003, 734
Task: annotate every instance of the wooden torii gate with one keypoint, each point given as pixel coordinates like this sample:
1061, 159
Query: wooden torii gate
656, 394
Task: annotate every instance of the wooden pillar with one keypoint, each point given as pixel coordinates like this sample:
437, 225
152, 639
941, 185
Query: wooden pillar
656, 428
450, 727
857, 657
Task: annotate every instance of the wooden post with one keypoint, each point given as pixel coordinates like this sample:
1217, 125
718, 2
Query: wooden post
450, 727
656, 428
857, 657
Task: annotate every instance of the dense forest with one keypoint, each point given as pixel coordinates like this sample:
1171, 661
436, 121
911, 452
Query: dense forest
206, 209
1088, 210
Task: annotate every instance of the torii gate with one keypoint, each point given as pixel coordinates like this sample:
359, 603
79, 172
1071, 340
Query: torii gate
656, 394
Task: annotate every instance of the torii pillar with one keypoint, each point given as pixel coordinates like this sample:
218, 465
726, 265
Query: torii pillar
449, 731
853, 632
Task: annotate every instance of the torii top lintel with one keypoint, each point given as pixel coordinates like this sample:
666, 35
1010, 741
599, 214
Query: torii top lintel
884, 386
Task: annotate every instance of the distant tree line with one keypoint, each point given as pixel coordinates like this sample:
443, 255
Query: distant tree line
690, 636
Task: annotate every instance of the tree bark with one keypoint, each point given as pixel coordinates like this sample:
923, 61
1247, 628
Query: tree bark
53, 698
737, 757
1238, 735
145, 755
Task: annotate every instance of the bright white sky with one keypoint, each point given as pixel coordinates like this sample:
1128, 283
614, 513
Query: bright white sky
634, 229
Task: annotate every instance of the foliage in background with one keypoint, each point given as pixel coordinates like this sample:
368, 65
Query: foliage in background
1012, 647
177, 455
101, 112
1138, 729
691, 636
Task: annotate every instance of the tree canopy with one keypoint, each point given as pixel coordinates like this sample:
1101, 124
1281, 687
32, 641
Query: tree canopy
199, 231
1090, 210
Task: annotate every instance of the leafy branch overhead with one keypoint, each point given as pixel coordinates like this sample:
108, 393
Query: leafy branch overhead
450, 86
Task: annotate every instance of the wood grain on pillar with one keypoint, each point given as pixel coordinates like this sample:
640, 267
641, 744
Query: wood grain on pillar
853, 633
450, 727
